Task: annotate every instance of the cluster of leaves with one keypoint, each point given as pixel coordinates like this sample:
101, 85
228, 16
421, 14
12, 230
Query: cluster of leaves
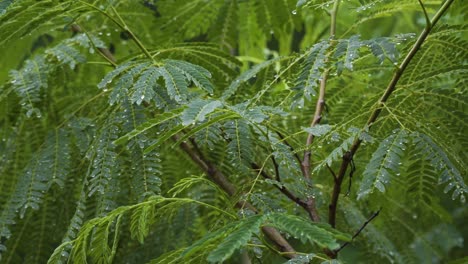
109, 108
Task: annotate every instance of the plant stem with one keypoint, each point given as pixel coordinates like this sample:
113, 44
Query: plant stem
319, 107
133, 36
121, 25
374, 215
348, 156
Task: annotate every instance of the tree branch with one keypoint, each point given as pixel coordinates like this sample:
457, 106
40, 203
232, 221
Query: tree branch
319, 108
218, 177
282, 189
348, 156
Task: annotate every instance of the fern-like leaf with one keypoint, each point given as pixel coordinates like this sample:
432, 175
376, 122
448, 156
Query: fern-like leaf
198, 75
384, 164
142, 218
448, 171
25, 16
144, 88
319, 234
104, 159
309, 76
338, 152
240, 142
236, 239
28, 83
159, 119
67, 55
347, 50
383, 48
198, 109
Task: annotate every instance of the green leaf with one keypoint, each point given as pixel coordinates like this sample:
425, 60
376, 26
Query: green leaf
383, 48
142, 218
200, 244
318, 130
236, 238
67, 55
311, 72
448, 171
198, 75
176, 84
198, 109
29, 82
144, 88
346, 52
384, 164
305, 230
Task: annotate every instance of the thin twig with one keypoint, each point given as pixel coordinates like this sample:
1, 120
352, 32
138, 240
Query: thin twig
132, 35
332, 172
374, 215
282, 189
348, 156
121, 25
428, 21
275, 164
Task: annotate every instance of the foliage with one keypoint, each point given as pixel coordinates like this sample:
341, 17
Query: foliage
233, 131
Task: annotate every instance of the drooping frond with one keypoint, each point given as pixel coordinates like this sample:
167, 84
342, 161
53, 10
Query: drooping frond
239, 148
104, 158
49, 166
28, 83
384, 164
449, 174
311, 72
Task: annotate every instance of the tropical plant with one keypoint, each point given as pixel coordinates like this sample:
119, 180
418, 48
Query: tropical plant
235, 131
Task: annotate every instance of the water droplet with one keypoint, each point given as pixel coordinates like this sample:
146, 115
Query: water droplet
294, 12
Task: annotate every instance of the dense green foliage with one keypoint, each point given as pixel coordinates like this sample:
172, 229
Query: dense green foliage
235, 131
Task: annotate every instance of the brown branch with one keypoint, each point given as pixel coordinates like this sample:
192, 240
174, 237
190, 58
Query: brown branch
348, 156
319, 108
320, 105
218, 177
